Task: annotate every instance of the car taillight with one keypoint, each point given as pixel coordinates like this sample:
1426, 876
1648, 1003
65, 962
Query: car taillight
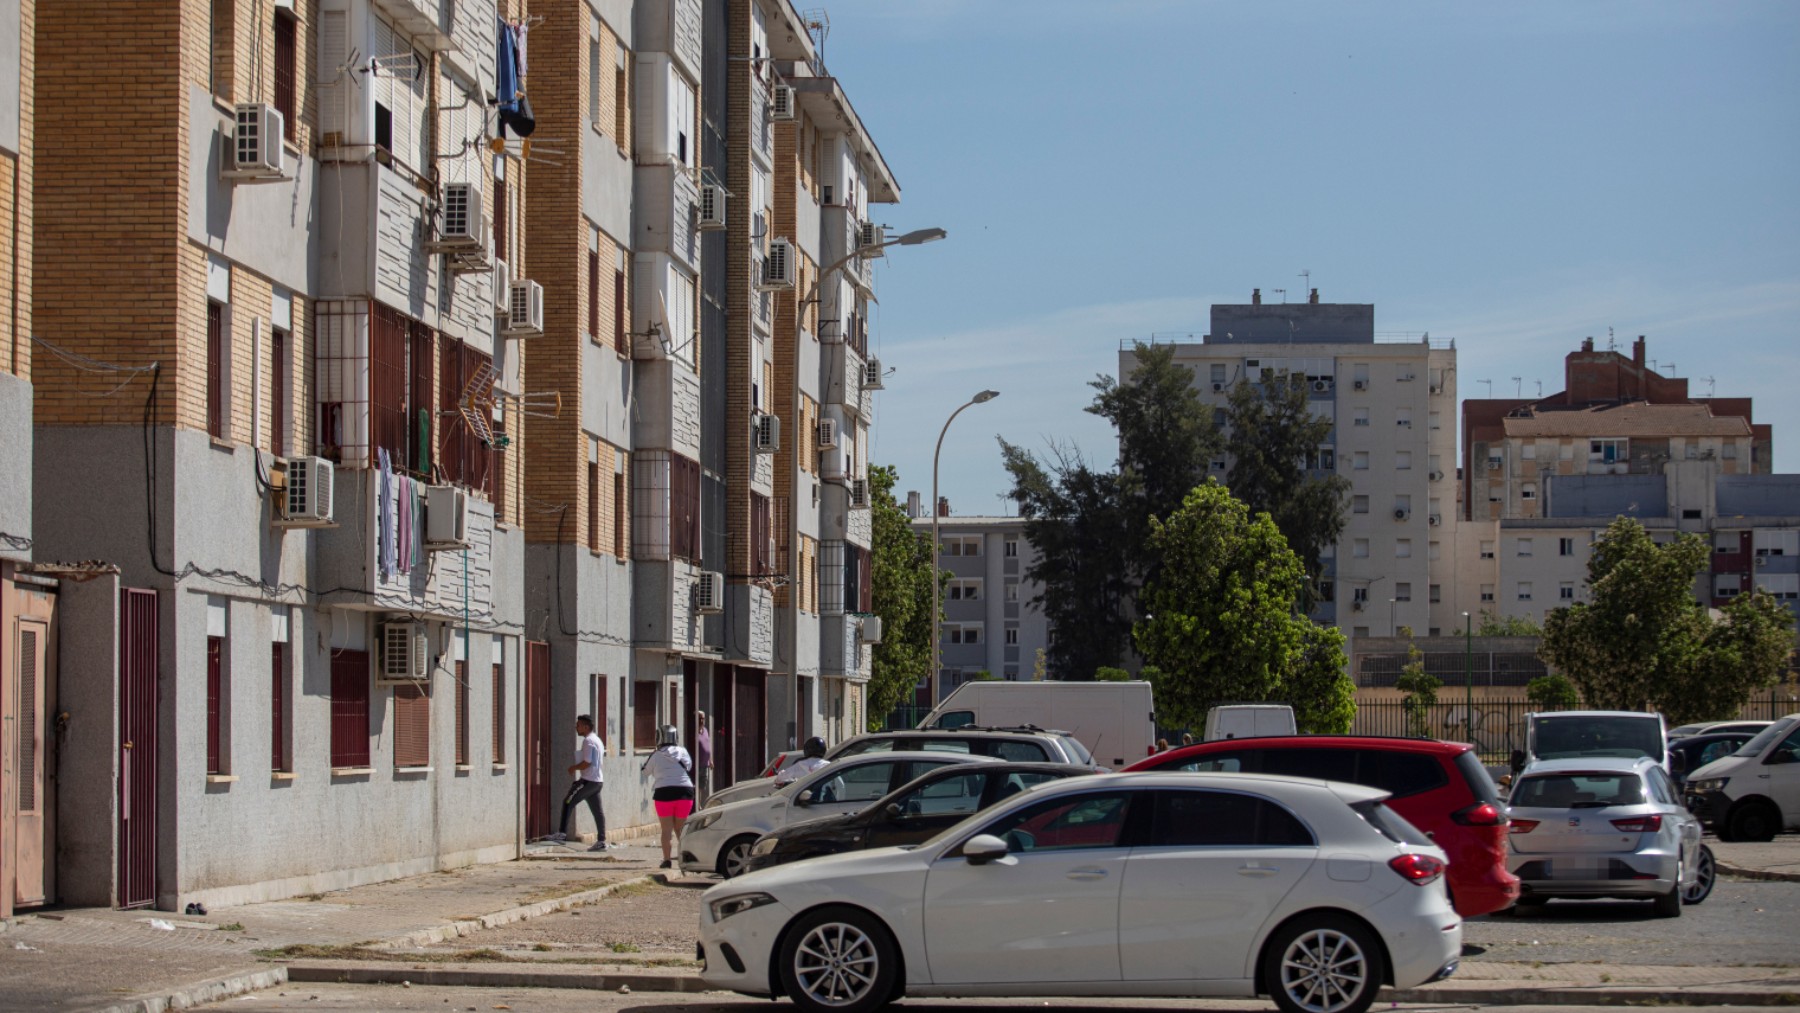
1520, 826
1481, 814
1415, 868
1639, 824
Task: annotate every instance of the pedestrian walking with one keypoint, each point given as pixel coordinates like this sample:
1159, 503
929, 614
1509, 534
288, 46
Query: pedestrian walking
586, 786
1162, 745
671, 772
702, 759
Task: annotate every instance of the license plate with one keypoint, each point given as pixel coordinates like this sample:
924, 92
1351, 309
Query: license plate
1576, 868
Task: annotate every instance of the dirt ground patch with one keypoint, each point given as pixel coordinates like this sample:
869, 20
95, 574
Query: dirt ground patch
641, 921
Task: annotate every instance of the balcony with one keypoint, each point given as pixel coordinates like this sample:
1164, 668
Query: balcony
663, 613
446, 584
750, 611
762, 129
844, 379
667, 212
842, 654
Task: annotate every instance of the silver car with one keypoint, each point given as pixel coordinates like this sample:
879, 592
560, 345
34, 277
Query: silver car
1602, 827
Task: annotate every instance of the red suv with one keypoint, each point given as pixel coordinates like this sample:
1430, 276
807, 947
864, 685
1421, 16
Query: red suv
1439, 787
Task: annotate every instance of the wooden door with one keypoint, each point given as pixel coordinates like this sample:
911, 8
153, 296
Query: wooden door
139, 638
538, 787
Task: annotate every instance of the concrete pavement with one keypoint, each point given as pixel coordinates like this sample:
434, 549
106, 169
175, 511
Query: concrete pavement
1778, 859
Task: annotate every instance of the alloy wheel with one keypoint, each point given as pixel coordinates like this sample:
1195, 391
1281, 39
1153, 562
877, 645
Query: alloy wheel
836, 964
1705, 875
1324, 971
737, 858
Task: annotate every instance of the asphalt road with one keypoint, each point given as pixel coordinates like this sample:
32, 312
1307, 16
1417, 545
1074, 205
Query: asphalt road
1742, 924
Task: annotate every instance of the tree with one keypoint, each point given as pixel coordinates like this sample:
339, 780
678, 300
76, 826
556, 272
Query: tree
1644, 641
900, 590
1495, 625
1105, 674
1273, 443
1420, 688
1219, 620
1551, 692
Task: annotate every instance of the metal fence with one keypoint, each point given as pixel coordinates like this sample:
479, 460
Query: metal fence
904, 717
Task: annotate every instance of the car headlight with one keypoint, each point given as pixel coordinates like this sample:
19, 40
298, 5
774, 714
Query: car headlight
704, 820
725, 907
1710, 784
766, 845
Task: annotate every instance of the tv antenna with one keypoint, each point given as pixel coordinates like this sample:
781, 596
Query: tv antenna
1490, 388
1709, 385
1283, 292
1518, 387
1611, 345
1540, 384
1671, 368
1306, 279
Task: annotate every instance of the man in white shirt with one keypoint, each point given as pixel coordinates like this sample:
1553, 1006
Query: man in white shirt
586, 786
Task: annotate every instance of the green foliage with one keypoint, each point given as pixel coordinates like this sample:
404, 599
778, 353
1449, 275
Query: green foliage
981, 675
1552, 692
1105, 674
1420, 688
900, 585
1495, 625
1644, 642
1219, 622
1273, 442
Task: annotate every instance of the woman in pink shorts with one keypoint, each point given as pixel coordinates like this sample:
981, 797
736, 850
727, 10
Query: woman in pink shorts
671, 773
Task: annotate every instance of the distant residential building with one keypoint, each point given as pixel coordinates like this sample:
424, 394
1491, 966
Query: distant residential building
990, 624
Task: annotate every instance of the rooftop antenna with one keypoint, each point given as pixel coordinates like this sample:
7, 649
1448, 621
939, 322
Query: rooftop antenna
1671, 369
818, 25
1540, 384
1306, 279
1655, 366
1611, 345
1518, 387
1490, 386
1709, 385
1283, 292
1003, 498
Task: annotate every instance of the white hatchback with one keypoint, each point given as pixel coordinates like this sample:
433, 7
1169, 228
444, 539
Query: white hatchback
1149, 884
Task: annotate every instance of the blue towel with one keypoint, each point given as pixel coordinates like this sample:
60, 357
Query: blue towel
506, 84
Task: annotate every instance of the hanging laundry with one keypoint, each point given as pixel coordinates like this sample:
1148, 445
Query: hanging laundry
506, 71
405, 526
519, 34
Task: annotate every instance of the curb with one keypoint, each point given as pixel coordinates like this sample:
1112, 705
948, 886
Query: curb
1627, 996
1762, 874
211, 990
458, 929
511, 976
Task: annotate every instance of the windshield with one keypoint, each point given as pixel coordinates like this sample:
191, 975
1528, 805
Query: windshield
1566, 738
1578, 791
1775, 731
1077, 751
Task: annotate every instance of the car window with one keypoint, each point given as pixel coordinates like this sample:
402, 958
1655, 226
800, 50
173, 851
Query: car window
1661, 788
857, 747
1774, 732
955, 719
1480, 783
863, 783
959, 794
1064, 823
1578, 791
1325, 764
1224, 819
1212, 763
1717, 751
1078, 753
947, 745
1391, 824
1566, 738
1020, 751
1788, 751
1399, 773
1019, 780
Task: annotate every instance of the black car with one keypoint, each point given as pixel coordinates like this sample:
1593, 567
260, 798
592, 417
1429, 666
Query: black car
913, 812
1697, 751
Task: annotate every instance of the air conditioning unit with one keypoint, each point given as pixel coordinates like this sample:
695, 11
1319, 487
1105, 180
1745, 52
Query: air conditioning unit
1494, 464
1437, 388
765, 434
709, 593
1434, 520
446, 517
460, 223
868, 236
781, 102
778, 266
710, 211
859, 494
1762, 560
828, 434
870, 632
307, 502
1360, 384
1218, 388
405, 653
1402, 514
502, 288
1437, 476
1356, 606
525, 310
871, 378
256, 136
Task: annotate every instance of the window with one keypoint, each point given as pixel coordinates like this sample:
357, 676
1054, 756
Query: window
1487, 549
1565, 546
962, 545
1012, 636
498, 707
762, 545
1012, 548
278, 390
593, 495
287, 59
462, 457
1012, 590
1360, 594
1327, 590
1360, 548
593, 280
501, 216
964, 590
1402, 548
1487, 592
643, 715
1216, 371
1327, 459
1609, 451
621, 515
864, 783
619, 336
215, 705
1524, 547
1524, 590
1360, 460
1437, 593
1728, 450
593, 68
1402, 591
1403, 460
1690, 515
223, 27
281, 758
1219, 418
963, 634
1436, 420
1359, 504
1359, 372
1403, 418
1528, 451
1359, 416
1433, 550
1528, 491
1566, 591
349, 709
1064, 823
216, 401
462, 713
1188, 819
684, 508
621, 103
412, 726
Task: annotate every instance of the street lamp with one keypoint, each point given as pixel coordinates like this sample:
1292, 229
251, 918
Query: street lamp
1469, 673
937, 635
1393, 624
914, 238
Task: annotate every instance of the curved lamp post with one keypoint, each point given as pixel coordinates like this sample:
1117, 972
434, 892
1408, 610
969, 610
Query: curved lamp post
937, 634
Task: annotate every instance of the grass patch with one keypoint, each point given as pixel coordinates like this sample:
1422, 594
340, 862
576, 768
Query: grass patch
625, 948
358, 951
543, 947
562, 890
232, 927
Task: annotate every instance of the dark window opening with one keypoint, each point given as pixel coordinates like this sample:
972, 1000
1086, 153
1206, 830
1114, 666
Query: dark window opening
215, 370
286, 74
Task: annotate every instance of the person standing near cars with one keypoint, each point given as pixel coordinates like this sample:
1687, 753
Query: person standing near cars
587, 783
671, 772
702, 758
813, 760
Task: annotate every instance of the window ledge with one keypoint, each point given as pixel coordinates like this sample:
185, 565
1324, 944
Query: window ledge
220, 778
411, 770
463, 768
352, 771
221, 443
282, 775
498, 767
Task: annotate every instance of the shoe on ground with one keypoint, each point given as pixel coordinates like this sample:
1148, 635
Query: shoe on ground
667, 863
558, 837
597, 846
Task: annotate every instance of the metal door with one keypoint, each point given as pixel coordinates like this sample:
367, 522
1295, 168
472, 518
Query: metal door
724, 727
29, 861
538, 788
747, 707
138, 652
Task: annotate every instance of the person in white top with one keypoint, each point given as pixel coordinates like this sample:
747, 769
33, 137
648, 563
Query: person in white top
813, 760
671, 772
586, 786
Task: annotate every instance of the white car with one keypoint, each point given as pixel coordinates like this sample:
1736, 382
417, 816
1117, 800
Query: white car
719, 839
1147, 884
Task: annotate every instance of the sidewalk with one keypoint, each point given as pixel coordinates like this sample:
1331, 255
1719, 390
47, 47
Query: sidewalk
1506, 983
1779, 859
98, 959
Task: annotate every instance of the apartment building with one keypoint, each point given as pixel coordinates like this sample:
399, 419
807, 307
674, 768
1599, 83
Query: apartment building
1391, 401
991, 624
26, 607
293, 621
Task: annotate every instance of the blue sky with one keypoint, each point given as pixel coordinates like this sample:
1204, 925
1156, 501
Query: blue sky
1515, 180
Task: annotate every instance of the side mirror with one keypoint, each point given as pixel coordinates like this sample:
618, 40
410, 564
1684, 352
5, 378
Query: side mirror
1678, 763
983, 848
893, 810
1517, 760
805, 797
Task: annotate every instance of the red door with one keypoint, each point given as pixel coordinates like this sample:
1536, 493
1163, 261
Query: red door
747, 708
724, 728
538, 789
138, 650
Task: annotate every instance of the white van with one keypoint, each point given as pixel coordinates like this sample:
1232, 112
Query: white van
1249, 720
1754, 793
1569, 735
1116, 721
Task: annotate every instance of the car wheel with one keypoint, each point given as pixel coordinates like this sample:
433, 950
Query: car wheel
839, 960
1322, 964
734, 857
1705, 874
1755, 821
1669, 904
